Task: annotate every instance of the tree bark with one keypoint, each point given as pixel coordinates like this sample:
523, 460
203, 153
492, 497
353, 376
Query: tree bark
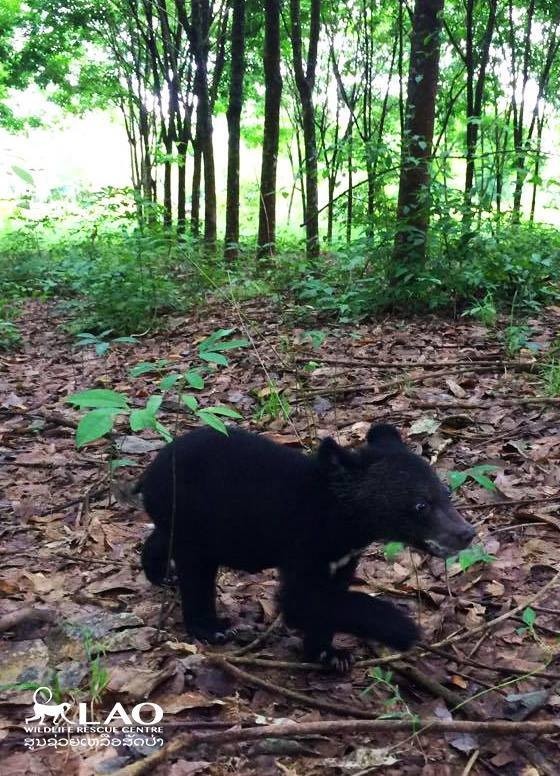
413, 211
231, 237
271, 134
475, 90
196, 177
305, 82
197, 30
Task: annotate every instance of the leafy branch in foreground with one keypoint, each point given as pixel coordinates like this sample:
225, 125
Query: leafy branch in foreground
106, 405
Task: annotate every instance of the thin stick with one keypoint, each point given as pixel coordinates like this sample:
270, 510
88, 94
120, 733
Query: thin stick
27, 614
505, 616
256, 681
512, 503
185, 741
470, 762
261, 638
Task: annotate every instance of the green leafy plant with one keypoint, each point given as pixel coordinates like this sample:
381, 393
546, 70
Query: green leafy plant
98, 674
551, 377
392, 550
477, 473
470, 556
10, 335
105, 406
484, 310
212, 348
395, 704
149, 367
272, 404
101, 342
516, 338
529, 617
316, 337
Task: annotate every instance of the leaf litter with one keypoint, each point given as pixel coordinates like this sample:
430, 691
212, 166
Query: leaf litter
70, 550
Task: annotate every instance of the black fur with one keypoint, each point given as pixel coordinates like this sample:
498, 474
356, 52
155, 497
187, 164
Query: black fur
244, 502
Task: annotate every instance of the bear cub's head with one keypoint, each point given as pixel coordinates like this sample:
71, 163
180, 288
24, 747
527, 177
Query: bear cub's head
392, 494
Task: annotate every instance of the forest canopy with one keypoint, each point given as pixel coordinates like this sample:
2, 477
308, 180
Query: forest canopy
377, 152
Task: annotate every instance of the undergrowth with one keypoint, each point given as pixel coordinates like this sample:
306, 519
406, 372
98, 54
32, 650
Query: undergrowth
106, 274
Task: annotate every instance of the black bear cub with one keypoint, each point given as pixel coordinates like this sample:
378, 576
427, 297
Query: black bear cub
244, 502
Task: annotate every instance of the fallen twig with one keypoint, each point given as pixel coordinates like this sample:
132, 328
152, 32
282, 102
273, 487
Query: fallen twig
27, 614
507, 670
391, 386
185, 741
501, 618
511, 503
257, 681
369, 361
260, 639
454, 405
434, 687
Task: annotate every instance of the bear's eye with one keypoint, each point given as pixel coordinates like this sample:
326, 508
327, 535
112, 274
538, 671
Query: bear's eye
421, 507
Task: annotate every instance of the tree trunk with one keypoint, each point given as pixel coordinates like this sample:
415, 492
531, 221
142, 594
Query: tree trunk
305, 82
519, 108
413, 211
475, 91
537, 172
231, 237
167, 215
350, 199
271, 134
181, 187
200, 26
195, 190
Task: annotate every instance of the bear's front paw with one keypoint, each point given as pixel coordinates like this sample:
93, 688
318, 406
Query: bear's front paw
337, 659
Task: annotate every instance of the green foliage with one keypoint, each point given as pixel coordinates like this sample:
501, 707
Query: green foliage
516, 338
467, 558
211, 348
272, 404
396, 706
316, 337
101, 342
551, 377
106, 405
529, 617
146, 418
147, 367
99, 398
10, 335
484, 311
392, 550
122, 287
98, 674
477, 473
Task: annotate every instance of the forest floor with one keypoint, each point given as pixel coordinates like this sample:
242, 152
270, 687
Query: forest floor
72, 587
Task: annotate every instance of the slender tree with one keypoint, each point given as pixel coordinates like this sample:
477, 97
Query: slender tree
266, 240
198, 32
413, 210
305, 82
476, 77
231, 238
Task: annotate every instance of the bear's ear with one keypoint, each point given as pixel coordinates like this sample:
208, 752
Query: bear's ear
383, 438
333, 456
